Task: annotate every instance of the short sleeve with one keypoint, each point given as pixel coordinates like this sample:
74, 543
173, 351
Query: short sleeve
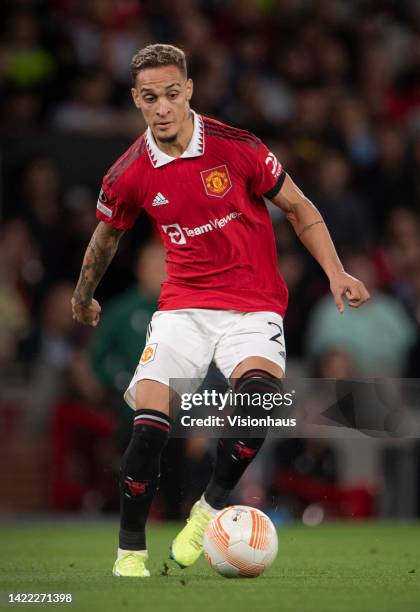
115, 208
268, 174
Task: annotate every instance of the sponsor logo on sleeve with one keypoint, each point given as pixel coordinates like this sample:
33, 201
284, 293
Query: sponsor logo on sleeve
103, 197
271, 160
103, 204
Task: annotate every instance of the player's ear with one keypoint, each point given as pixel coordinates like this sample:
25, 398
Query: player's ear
189, 88
136, 97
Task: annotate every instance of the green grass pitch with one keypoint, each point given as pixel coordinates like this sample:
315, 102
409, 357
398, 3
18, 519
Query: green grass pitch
359, 567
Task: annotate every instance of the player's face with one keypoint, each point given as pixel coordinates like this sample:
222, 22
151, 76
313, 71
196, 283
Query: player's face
163, 94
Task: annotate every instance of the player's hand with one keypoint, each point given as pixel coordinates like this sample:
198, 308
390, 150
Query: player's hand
88, 314
342, 284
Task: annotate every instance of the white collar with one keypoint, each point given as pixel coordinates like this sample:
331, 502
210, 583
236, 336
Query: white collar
195, 147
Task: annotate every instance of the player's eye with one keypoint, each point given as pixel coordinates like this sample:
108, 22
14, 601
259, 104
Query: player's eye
173, 94
149, 99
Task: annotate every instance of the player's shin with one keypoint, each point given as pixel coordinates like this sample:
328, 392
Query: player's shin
234, 455
139, 476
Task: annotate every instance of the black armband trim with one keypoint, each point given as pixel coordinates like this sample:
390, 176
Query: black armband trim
274, 191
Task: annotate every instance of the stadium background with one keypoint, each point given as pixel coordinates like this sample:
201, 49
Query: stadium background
333, 88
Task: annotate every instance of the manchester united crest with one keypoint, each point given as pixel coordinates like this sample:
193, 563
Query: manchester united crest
148, 354
216, 181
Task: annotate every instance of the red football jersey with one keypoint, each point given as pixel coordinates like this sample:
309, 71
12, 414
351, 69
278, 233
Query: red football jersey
208, 208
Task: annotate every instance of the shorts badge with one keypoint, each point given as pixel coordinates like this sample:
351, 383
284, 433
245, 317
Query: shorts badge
216, 181
148, 354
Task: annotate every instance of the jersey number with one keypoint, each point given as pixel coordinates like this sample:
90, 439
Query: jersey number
276, 337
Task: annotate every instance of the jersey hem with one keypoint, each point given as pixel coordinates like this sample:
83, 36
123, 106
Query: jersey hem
115, 224
174, 304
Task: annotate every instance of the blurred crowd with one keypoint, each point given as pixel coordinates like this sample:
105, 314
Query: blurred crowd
331, 86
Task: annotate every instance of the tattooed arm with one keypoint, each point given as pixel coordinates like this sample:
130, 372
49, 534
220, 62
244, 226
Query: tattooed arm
99, 253
309, 225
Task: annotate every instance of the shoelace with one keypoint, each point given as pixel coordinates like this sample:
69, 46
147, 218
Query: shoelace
196, 538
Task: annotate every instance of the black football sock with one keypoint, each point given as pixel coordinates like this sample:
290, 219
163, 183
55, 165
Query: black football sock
234, 455
139, 475
232, 459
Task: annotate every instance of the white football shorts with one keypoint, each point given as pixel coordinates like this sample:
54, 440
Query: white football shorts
181, 344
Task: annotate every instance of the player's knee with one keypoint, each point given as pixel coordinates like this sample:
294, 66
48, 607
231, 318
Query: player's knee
152, 393
258, 381
151, 429
257, 388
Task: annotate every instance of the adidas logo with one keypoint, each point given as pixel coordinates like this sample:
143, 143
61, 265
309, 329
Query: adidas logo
159, 200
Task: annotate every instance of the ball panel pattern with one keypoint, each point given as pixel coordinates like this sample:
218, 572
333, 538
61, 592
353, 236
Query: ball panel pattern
227, 570
240, 541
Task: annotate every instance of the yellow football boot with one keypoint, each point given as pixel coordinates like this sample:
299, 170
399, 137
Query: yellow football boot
188, 544
131, 564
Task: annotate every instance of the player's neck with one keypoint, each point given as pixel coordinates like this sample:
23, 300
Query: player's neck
178, 146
